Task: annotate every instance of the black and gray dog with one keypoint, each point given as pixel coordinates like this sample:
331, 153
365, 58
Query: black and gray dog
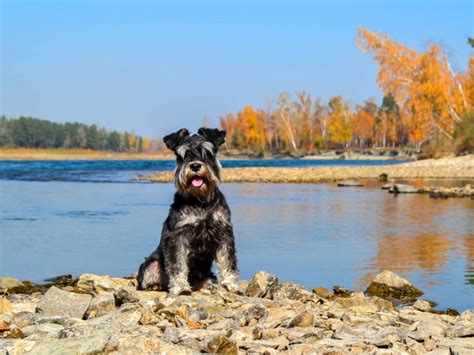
198, 229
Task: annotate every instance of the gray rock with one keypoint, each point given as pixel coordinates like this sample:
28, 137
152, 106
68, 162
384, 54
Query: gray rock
197, 316
462, 329
49, 329
101, 304
458, 343
171, 335
256, 312
290, 291
261, 284
57, 302
349, 183
427, 329
384, 338
222, 324
87, 345
402, 188
23, 319
124, 295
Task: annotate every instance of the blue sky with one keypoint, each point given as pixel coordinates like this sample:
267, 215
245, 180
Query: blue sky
155, 66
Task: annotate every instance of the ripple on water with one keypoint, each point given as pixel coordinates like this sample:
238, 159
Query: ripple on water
91, 214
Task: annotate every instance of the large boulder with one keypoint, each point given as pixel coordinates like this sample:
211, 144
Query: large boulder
57, 302
389, 285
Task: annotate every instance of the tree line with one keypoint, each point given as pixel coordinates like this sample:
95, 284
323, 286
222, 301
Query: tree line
29, 132
424, 101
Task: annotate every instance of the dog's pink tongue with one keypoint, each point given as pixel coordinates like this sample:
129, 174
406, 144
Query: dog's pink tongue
197, 182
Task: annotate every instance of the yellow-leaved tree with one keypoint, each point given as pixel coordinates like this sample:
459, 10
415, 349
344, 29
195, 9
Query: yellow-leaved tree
429, 94
340, 119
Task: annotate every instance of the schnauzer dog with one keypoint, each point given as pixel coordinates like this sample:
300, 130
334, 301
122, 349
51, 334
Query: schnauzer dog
198, 229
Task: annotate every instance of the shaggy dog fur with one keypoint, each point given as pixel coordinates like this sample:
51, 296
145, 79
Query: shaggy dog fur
198, 229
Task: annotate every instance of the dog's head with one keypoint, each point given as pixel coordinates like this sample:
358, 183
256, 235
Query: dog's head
197, 168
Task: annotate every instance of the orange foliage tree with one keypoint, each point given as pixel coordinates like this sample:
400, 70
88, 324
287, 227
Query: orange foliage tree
428, 92
363, 123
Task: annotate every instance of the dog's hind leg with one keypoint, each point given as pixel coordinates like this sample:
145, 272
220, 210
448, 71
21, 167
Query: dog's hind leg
151, 274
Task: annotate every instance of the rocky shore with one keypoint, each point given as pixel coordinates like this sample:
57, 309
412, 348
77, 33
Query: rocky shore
101, 314
445, 168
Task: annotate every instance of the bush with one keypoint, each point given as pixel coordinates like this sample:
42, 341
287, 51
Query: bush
438, 147
464, 136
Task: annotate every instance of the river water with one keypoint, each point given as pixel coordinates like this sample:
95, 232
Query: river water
77, 217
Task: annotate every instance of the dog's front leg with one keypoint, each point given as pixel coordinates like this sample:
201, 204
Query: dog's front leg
226, 261
177, 266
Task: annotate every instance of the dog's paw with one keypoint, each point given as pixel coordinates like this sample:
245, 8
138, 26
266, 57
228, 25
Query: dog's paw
232, 286
178, 291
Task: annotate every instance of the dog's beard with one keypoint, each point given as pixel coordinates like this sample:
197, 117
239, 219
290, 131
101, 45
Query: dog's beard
199, 185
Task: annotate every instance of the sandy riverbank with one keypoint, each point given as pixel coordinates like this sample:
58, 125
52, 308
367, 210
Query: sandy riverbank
445, 168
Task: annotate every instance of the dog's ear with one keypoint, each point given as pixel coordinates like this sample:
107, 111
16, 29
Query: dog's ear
213, 135
175, 139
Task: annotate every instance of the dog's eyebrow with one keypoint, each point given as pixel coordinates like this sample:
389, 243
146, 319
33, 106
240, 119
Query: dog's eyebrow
208, 146
181, 150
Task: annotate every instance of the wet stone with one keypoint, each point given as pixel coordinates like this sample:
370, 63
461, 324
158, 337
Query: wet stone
389, 285
342, 291
402, 188
349, 183
11, 285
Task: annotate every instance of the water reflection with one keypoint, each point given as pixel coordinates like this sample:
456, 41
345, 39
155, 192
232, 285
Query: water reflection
313, 234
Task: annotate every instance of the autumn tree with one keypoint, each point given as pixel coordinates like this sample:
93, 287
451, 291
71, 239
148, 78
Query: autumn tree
363, 123
388, 126
340, 119
423, 85
286, 119
305, 127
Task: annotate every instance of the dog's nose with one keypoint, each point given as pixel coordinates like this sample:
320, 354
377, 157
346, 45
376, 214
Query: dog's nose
195, 167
